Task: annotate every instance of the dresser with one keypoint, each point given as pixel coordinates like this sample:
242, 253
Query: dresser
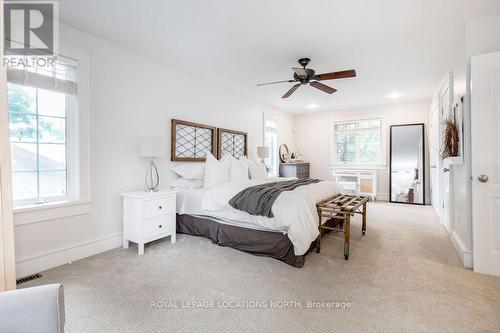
299, 170
148, 217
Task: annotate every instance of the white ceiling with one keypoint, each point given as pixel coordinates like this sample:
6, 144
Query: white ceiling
394, 45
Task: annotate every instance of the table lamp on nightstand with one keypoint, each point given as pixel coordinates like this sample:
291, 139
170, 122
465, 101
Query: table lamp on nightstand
151, 147
263, 152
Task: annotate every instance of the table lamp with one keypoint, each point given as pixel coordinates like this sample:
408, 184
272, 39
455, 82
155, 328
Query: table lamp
263, 152
151, 147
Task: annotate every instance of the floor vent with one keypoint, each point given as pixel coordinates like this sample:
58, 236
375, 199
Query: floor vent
28, 278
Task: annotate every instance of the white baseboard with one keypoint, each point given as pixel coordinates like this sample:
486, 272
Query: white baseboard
39, 263
464, 254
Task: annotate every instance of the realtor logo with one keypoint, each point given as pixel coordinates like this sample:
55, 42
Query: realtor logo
30, 28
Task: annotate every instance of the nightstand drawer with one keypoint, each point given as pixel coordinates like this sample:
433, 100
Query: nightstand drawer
160, 206
159, 225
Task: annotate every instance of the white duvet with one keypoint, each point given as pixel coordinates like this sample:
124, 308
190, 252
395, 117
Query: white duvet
294, 211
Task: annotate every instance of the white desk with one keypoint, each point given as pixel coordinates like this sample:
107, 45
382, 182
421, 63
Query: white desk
357, 181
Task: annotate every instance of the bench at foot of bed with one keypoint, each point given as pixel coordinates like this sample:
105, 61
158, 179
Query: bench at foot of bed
337, 211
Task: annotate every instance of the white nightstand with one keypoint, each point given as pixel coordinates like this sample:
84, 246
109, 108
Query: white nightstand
148, 217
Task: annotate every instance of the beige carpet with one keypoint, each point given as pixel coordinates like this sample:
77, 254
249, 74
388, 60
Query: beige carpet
403, 276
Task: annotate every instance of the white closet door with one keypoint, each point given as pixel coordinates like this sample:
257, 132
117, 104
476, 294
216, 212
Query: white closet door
434, 158
485, 126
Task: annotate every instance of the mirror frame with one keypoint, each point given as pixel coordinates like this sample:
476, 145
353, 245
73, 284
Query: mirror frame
422, 125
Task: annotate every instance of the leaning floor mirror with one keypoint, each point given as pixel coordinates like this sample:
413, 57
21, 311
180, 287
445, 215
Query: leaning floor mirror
407, 161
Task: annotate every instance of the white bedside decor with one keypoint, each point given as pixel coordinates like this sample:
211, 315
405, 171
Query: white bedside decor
151, 147
148, 216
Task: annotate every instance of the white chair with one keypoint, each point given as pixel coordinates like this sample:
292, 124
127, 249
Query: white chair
37, 309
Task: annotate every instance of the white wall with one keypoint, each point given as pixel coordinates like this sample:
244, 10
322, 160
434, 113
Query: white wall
131, 96
312, 136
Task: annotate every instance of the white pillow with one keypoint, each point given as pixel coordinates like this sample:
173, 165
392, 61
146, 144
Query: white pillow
189, 170
238, 170
257, 170
216, 172
187, 183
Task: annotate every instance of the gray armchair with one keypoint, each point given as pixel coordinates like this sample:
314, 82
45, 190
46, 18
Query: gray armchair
37, 309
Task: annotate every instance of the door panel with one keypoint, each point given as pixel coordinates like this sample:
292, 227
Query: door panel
485, 126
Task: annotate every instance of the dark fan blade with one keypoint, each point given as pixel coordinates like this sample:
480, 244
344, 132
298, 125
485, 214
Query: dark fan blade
285, 81
335, 75
302, 72
323, 87
292, 89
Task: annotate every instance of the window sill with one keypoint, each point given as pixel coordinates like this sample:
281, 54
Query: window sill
50, 211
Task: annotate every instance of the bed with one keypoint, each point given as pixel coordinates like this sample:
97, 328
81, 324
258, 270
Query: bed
227, 211
287, 236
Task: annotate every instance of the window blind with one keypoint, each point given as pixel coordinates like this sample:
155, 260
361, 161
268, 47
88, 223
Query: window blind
59, 75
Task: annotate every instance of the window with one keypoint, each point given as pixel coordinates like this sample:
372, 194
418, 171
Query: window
358, 142
271, 141
40, 100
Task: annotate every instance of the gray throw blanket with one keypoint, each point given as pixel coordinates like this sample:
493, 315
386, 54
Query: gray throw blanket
259, 199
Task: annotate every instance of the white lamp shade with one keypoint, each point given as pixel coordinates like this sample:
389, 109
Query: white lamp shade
263, 152
150, 146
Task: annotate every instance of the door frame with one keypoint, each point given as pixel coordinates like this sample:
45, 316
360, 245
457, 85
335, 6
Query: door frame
7, 257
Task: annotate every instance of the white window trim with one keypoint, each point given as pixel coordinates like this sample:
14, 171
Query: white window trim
335, 164
78, 141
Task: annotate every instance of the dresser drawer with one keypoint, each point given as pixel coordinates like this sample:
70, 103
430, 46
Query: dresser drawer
160, 206
303, 171
159, 225
299, 170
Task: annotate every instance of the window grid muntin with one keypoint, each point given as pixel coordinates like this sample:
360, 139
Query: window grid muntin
353, 127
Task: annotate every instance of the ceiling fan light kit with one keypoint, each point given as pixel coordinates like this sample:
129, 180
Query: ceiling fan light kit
308, 76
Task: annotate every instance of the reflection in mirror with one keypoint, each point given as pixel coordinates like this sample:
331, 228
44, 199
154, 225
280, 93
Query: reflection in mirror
407, 178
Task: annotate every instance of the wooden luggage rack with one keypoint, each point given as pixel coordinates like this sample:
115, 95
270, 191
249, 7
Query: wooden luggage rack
337, 211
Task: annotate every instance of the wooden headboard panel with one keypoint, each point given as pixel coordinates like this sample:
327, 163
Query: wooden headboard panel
190, 142
231, 142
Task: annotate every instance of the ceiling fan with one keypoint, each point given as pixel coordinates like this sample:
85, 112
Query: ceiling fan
308, 76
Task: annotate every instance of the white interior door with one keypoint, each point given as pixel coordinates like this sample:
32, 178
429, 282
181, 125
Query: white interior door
434, 158
445, 196
485, 123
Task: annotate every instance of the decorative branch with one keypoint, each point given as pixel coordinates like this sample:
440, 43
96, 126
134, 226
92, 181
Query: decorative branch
450, 140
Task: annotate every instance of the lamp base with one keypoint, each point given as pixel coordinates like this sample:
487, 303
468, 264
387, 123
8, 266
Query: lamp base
152, 178
268, 169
